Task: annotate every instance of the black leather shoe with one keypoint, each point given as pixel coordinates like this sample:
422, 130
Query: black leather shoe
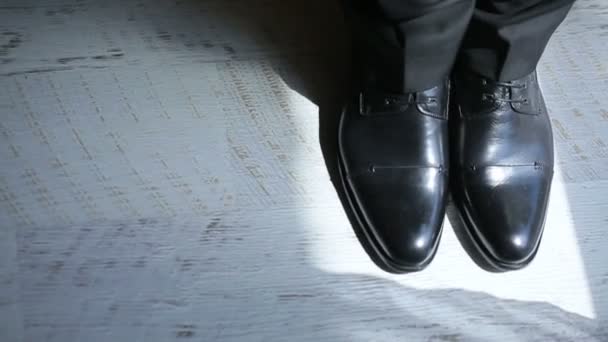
393, 158
502, 166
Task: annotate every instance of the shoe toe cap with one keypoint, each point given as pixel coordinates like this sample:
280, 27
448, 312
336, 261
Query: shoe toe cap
507, 207
404, 210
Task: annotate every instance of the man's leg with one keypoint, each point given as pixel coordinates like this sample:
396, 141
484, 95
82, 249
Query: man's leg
393, 131
507, 37
502, 145
406, 45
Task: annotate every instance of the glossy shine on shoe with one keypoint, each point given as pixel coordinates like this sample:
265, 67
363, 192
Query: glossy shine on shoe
393, 158
502, 166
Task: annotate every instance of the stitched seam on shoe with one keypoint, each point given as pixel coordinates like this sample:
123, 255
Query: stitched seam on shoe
440, 168
408, 167
474, 167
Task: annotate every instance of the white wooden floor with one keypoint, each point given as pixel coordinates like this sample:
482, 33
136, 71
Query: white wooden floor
162, 178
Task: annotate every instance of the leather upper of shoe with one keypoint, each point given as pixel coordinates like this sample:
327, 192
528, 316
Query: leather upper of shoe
503, 164
394, 150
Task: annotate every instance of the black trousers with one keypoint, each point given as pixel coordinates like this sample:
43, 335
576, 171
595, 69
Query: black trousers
412, 45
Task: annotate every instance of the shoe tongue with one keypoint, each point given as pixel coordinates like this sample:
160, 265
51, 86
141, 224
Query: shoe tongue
496, 90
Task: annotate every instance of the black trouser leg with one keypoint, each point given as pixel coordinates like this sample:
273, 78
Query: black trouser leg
407, 45
506, 38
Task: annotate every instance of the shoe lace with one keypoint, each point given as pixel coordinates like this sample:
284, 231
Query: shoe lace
400, 100
509, 86
411, 98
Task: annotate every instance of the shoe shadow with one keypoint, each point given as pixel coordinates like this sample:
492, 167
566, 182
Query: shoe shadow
323, 78
330, 99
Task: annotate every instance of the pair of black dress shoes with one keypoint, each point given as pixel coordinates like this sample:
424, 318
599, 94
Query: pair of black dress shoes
399, 156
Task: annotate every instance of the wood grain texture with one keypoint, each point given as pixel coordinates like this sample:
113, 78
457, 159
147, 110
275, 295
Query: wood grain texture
162, 178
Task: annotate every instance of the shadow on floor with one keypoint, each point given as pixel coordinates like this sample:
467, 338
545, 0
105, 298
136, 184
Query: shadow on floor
244, 275
321, 75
